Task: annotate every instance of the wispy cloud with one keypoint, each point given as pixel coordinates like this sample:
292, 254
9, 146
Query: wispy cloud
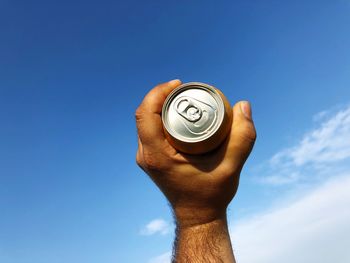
164, 258
156, 226
314, 228
319, 149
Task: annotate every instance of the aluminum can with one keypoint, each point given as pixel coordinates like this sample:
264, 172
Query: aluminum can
196, 118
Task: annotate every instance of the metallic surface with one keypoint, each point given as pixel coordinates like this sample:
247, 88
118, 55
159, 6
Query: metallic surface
196, 117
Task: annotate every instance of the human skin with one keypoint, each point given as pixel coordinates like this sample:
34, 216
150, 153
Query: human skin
198, 187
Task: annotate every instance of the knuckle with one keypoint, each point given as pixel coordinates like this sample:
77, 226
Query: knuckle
249, 134
252, 134
138, 113
150, 162
139, 160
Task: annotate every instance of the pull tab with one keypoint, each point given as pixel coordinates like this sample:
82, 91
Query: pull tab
197, 116
188, 109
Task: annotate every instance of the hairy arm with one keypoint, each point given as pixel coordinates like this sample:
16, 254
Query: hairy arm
209, 242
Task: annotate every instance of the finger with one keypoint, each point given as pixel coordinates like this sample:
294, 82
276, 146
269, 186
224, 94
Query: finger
153, 101
148, 118
242, 136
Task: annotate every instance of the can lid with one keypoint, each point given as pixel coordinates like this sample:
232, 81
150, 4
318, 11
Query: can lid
193, 112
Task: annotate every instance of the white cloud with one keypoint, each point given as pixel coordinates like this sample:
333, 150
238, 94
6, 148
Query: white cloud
329, 143
321, 148
315, 228
164, 258
156, 226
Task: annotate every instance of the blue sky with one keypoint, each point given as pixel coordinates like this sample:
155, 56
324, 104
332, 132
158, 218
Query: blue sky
72, 74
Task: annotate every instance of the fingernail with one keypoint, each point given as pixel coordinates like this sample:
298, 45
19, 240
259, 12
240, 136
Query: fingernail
174, 81
246, 109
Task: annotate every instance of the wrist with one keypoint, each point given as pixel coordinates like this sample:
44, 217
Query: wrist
218, 223
188, 217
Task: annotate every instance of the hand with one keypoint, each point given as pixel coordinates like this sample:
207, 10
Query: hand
198, 187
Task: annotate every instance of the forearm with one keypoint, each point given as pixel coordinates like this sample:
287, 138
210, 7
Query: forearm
204, 243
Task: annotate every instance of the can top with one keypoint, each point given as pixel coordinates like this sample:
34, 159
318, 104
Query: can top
193, 112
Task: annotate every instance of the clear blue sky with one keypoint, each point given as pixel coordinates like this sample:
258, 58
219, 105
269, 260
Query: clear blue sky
72, 74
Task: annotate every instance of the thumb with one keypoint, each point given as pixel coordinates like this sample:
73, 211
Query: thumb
242, 136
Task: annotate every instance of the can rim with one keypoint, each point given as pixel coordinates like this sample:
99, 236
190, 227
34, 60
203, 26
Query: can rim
187, 86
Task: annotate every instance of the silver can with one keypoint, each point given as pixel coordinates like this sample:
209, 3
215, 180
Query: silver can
196, 118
